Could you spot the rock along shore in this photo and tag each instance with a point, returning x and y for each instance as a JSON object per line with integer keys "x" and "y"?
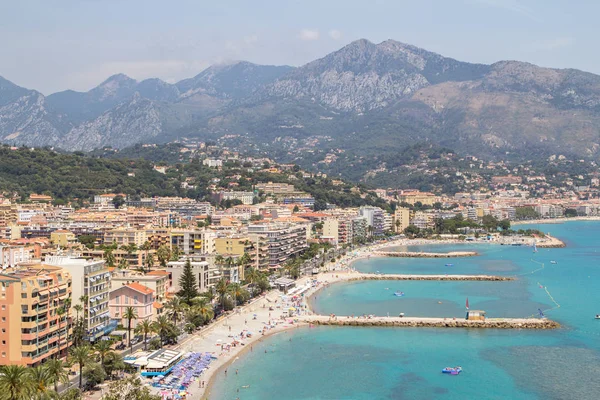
{"x": 419, "y": 254}
{"x": 396, "y": 277}
{"x": 412, "y": 322}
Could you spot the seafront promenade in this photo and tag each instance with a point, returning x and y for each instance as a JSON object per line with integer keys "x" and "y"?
{"x": 417, "y": 322}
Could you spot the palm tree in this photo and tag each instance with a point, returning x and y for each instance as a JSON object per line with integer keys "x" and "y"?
{"x": 78, "y": 308}
{"x": 222, "y": 289}
{"x": 175, "y": 309}
{"x": 60, "y": 312}
{"x": 146, "y": 247}
{"x": 80, "y": 355}
{"x": 15, "y": 382}
{"x": 150, "y": 261}
{"x": 219, "y": 259}
{"x": 123, "y": 263}
{"x": 41, "y": 378}
{"x": 109, "y": 257}
{"x": 163, "y": 327}
{"x": 129, "y": 314}
{"x": 252, "y": 275}
{"x": 204, "y": 309}
{"x": 144, "y": 328}
{"x": 57, "y": 372}
{"x": 103, "y": 349}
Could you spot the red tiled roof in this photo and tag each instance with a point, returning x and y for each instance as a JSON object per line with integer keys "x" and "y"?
{"x": 140, "y": 288}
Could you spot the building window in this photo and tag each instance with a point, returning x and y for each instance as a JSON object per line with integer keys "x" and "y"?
{"x": 3, "y": 319}
{"x": 3, "y": 307}
{"x": 135, "y": 299}
{"x": 3, "y": 354}
{"x": 4, "y": 342}
{"x": 117, "y": 299}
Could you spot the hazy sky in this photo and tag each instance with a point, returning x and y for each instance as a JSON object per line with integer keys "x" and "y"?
{"x": 53, "y": 45}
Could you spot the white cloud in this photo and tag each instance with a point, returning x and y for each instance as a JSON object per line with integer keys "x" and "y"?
{"x": 335, "y": 34}
{"x": 308, "y": 34}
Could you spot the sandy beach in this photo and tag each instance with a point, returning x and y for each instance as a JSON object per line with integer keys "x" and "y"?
{"x": 554, "y": 220}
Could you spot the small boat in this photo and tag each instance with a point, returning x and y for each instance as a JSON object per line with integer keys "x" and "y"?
{"x": 452, "y": 371}
{"x": 553, "y": 262}
{"x": 597, "y": 316}
{"x": 399, "y": 294}
{"x": 449, "y": 265}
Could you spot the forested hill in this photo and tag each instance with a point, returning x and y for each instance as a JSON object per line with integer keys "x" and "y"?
{"x": 78, "y": 177}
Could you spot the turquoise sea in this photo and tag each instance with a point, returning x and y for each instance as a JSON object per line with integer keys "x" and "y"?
{"x": 403, "y": 363}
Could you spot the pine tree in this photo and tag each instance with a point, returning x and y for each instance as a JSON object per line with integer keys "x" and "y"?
{"x": 187, "y": 283}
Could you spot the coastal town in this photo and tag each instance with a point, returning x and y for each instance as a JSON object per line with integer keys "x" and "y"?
{"x": 134, "y": 277}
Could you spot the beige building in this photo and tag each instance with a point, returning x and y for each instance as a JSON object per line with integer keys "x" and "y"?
{"x": 125, "y": 237}
{"x": 401, "y": 219}
{"x": 63, "y": 238}
{"x": 32, "y": 329}
{"x": 424, "y": 198}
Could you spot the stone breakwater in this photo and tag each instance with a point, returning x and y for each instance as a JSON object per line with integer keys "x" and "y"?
{"x": 396, "y": 277}
{"x": 550, "y": 243}
{"x": 420, "y": 254}
{"x": 411, "y": 322}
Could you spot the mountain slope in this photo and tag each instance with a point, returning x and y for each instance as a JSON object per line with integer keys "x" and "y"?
{"x": 363, "y": 76}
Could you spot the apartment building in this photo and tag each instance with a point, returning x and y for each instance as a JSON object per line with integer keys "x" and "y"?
{"x": 11, "y": 256}
{"x": 31, "y": 327}
{"x": 193, "y": 241}
{"x": 244, "y": 197}
{"x": 401, "y": 219}
{"x": 91, "y": 287}
{"x": 207, "y": 273}
{"x": 284, "y": 241}
{"x": 375, "y": 219}
{"x": 125, "y": 237}
{"x": 412, "y": 197}
{"x": 62, "y": 238}
{"x": 338, "y": 230}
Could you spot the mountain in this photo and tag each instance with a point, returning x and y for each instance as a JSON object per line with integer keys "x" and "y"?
{"x": 364, "y": 103}
{"x": 234, "y": 81}
{"x": 364, "y": 76}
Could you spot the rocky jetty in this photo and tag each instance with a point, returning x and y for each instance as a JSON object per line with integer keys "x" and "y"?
{"x": 504, "y": 323}
{"x": 396, "y": 277}
{"x": 420, "y": 254}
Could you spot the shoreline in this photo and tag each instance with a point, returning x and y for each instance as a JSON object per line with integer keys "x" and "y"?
{"x": 336, "y": 271}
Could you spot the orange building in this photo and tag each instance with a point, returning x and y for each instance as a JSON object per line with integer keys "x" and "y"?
{"x": 31, "y": 329}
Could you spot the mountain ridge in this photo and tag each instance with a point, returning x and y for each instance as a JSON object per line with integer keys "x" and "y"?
{"x": 383, "y": 96}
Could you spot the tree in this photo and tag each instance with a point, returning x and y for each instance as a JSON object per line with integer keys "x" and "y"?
{"x": 144, "y": 328}
{"x": 570, "y": 212}
{"x": 56, "y": 371}
{"x": 109, "y": 257}
{"x": 16, "y": 383}
{"x": 504, "y": 225}
{"x": 164, "y": 328}
{"x": 102, "y": 348}
{"x": 88, "y": 241}
{"x": 129, "y": 315}
{"x": 490, "y": 222}
{"x": 222, "y": 289}
{"x": 94, "y": 374}
{"x": 80, "y": 355}
{"x": 187, "y": 283}
{"x": 411, "y": 230}
{"x": 130, "y": 388}
{"x": 118, "y": 201}
{"x": 113, "y": 362}
{"x": 175, "y": 309}
{"x": 164, "y": 255}
{"x": 296, "y": 209}
{"x": 123, "y": 264}
{"x": 60, "y": 313}
{"x": 41, "y": 378}
{"x": 149, "y": 262}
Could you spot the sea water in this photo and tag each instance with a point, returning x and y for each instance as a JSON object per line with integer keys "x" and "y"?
{"x": 406, "y": 363}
